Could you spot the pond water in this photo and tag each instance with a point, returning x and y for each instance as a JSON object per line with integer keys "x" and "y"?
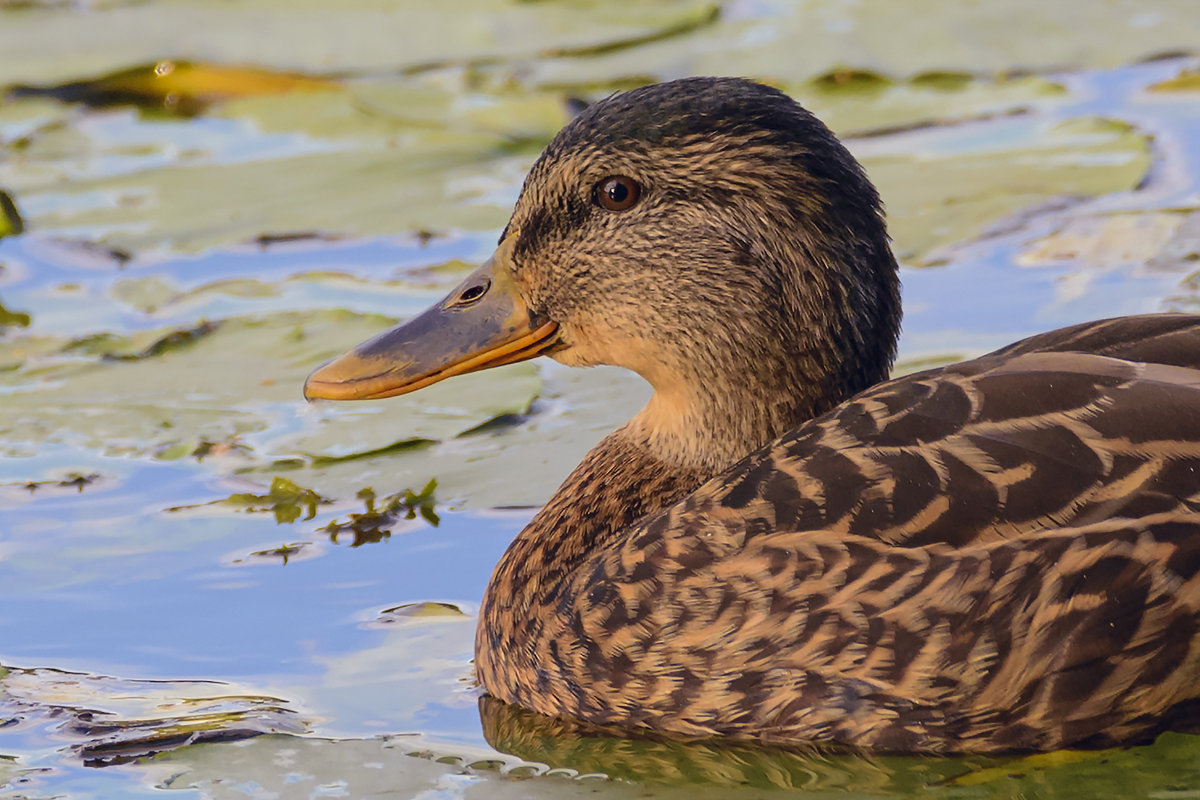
{"x": 202, "y": 590}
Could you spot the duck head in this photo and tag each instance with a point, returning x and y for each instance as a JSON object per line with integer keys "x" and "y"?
{"x": 709, "y": 234}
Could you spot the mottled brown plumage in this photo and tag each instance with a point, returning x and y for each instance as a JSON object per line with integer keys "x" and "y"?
{"x": 999, "y": 555}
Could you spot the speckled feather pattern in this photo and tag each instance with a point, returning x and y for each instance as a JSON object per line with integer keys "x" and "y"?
{"x": 995, "y": 556}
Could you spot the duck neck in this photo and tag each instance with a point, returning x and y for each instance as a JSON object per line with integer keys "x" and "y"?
{"x": 708, "y": 423}
{"x": 621, "y": 481}
{"x": 665, "y": 452}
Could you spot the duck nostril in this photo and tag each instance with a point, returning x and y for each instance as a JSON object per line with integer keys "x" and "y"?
{"x": 473, "y": 293}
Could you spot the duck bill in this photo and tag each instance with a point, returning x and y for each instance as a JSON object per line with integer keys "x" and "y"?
{"x": 483, "y": 323}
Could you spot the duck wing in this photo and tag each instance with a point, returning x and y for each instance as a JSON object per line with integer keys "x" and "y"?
{"x": 1038, "y": 435}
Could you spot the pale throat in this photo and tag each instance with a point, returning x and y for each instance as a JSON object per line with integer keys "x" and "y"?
{"x": 709, "y": 426}
{"x": 705, "y": 413}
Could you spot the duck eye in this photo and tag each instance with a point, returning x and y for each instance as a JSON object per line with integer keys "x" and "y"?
{"x": 617, "y": 193}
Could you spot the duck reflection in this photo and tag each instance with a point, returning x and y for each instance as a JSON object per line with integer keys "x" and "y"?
{"x": 627, "y": 756}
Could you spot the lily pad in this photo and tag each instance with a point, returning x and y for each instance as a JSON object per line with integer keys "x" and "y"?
{"x": 111, "y": 720}
{"x": 145, "y": 294}
{"x": 1105, "y": 242}
{"x": 941, "y": 99}
{"x": 515, "y": 465}
{"x": 143, "y": 394}
{"x": 446, "y": 145}
{"x": 943, "y": 186}
{"x": 788, "y": 42}
{"x": 435, "y": 179}
{"x": 313, "y": 36}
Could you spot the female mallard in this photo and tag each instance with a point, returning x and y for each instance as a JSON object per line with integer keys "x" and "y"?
{"x": 999, "y": 555}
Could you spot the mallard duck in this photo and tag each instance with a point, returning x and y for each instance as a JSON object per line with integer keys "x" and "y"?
{"x": 999, "y": 555}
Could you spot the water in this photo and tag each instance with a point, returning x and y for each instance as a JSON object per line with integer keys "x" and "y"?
{"x": 158, "y": 635}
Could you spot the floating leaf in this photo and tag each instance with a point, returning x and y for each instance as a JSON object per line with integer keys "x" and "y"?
{"x": 700, "y": 18}
{"x": 424, "y": 610}
{"x": 174, "y": 340}
{"x": 944, "y": 81}
{"x": 285, "y": 500}
{"x": 10, "y": 219}
{"x": 11, "y": 319}
{"x": 940, "y": 191}
{"x": 178, "y": 87}
{"x": 851, "y": 80}
{"x": 73, "y": 480}
{"x": 217, "y": 384}
{"x": 1104, "y": 242}
{"x": 407, "y": 159}
{"x": 285, "y": 552}
{"x": 1186, "y": 81}
{"x": 112, "y": 720}
{"x": 376, "y": 522}
{"x": 145, "y": 294}
{"x": 176, "y": 451}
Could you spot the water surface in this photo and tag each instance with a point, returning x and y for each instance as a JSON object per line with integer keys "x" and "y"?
{"x": 169, "y": 623}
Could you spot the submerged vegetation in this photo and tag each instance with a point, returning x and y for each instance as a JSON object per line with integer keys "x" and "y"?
{"x": 284, "y": 499}
{"x": 376, "y": 522}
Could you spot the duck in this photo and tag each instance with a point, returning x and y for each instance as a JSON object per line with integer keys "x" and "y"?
{"x": 785, "y": 544}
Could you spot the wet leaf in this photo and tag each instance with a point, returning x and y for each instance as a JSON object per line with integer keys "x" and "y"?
{"x": 389, "y": 155}
{"x": 177, "y": 87}
{"x": 386, "y": 35}
{"x": 507, "y": 466}
{"x": 940, "y": 189}
{"x": 13, "y": 319}
{"x": 112, "y": 720}
{"x": 944, "y": 81}
{"x": 238, "y": 380}
{"x": 372, "y": 187}
{"x": 175, "y": 340}
{"x": 697, "y": 19}
{"x": 427, "y": 610}
{"x": 408, "y": 159}
{"x": 11, "y": 223}
{"x": 791, "y": 43}
{"x": 854, "y": 81}
{"x": 932, "y": 100}
{"x": 1105, "y": 242}
{"x": 1186, "y": 81}
{"x": 145, "y": 294}
{"x": 175, "y": 452}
